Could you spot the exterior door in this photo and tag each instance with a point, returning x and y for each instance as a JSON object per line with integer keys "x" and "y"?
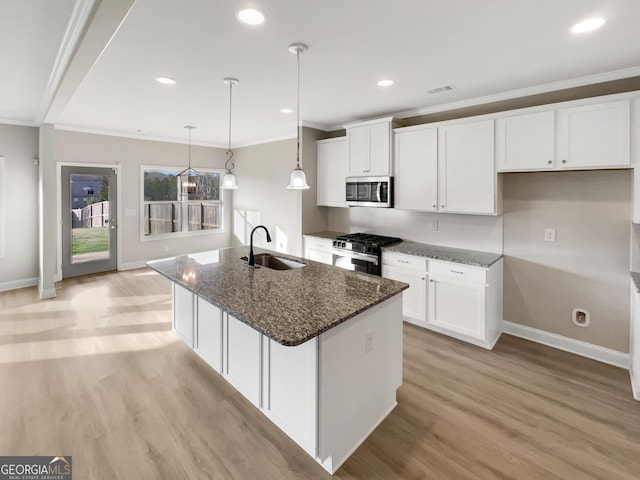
{"x": 89, "y": 207}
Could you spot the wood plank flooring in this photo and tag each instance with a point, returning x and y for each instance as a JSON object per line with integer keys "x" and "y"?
{"x": 97, "y": 374}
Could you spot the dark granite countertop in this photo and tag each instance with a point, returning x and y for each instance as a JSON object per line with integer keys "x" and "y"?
{"x": 448, "y": 254}
{"x": 636, "y": 279}
{"x": 289, "y": 306}
{"x": 328, "y": 234}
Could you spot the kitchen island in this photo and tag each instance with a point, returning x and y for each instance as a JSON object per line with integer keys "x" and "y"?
{"x": 316, "y": 348}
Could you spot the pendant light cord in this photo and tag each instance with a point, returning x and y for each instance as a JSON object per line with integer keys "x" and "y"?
{"x": 298, "y": 110}
{"x": 190, "y": 128}
{"x": 229, "y": 151}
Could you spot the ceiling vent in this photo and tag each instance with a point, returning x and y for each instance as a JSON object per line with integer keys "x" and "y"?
{"x": 443, "y": 88}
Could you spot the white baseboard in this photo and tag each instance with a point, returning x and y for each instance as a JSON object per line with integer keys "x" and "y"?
{"x": 132, "y": 265}
{"x": 584, "y": 349}
{"x": 15, "y": 284}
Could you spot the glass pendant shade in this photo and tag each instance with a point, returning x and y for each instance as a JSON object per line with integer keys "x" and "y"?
{"x": 229, "y": 181}
{"x": 189, "y": 186}
{"x": 298, "y": 179}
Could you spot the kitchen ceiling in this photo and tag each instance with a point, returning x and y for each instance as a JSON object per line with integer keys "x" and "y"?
{"x": 482, "y": 48}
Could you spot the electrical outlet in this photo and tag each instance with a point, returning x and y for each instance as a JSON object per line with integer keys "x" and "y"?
{"x": 434, "y": 225}
{"x": 580, "y": 317}
{"x": 368, "y": 342}
{"x": 549, "y": 234}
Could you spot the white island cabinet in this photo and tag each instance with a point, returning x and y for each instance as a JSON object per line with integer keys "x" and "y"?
{"x": 326, "y": 372}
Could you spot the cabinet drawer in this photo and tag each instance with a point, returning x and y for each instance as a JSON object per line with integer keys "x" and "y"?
{"x": 405, "y": 261}
{"x": 458, "y": 271}
{"x": 318, "y": 244}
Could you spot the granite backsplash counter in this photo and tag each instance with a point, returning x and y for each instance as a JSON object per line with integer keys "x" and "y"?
{"x": 448, "y": 254}
{"x": 289, "y": 306}
{"x": 327, "y": 235}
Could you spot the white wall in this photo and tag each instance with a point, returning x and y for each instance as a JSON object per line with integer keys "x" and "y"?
{"x": 19, "y": 187}
{"x": 587, "y": 266}
{"x": 474, "y": 232}
{"x": 75, "y": 147}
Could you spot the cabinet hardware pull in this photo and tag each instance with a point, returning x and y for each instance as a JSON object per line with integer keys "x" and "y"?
{"x": 431, "y": 279}
{"x": 403, "y": 261}
{"x": 441, "y": 206}
{"x": 423, "y": 278}
{"x": 564, "y": 161}
{"x": 434, "y": 206}
{"x": 550, "y": 162}
{"x": 456, "y": 271}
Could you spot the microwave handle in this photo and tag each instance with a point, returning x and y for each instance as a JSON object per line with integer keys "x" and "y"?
{"x": 378, "y": 191}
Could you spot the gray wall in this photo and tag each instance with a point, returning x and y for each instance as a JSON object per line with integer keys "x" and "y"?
{"x": 19, "y": 261}
{"x": 588, "y": 265}
{"x": 262, "y": 172}
{"x": 75, "y": 147}
{"x": 475, "y": 232}
{"x": 314, "y": 218}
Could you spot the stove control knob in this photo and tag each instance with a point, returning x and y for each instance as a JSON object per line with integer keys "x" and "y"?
{"x": 343, "y": 245}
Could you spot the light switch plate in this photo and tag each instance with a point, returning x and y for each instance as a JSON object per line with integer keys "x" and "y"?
{"x": 549, "y": 234}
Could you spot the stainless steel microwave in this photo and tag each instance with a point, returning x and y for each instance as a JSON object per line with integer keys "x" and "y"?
{"x": 369, "y": 192}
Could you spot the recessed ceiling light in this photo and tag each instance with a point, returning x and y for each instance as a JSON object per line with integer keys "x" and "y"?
{"x": 165, "y": 80}
{"x": 385, "y": 83}
{"x": 588, "y": 25}
{"x": 250, "y": 16}
{"x": 286, "y": 110}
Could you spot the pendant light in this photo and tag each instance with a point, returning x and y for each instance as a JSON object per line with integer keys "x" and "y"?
{"x": 298, "y": 179}
{"x": 229, "y": 179}
{"x": 187, "y": 176}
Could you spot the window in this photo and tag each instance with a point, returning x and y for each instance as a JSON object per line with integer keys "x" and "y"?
{"x": 167, "y": 212}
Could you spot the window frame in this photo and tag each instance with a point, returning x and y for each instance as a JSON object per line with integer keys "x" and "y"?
{"x": 184, "y": 207}
{"x": 3, "y": 217}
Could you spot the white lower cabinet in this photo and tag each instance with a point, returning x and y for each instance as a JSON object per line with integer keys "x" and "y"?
{"x": 208, "y": 338}
{"x": 411, "y": 270}
{"x": 327, "y": 394}
{"x": 454, "y": 299}
{"x": 318, "y": 249}
{"x": 290, "y": 394}
{"x": 634, "y": 342}
{"x": 466, "y": 302}
{"x": 243, "y": 357}
{"x": 183, "y": 308}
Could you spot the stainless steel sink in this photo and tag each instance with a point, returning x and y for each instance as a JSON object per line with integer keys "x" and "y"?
{"x": 275, "y": 263}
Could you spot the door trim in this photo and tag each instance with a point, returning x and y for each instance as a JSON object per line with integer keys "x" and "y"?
{"x": 118, "y": 169}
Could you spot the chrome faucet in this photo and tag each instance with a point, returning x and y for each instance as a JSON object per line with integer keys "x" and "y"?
{"x": 252, "y": 260}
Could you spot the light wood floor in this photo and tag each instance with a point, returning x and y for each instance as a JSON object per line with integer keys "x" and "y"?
{"x": 97, "y": 374}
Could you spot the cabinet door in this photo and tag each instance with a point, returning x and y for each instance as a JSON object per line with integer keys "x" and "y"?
{"x": 634, "y": 343}
{"x": 457, "y": 306}
{"x": 290, "y": 376}
{"x": 243, "y": 359}
{"x": 358, "y": 151}
{"x": 379, "y": 149}
{"x": 414, "y": 299}
{"x": 594, "y": 136}
{"x": 416, "y": 170}
{"x": 320, "y": 256}
{"x": 208, "y": 341}
{"x": 183, "y": 314}
{"x": 333, "y": 168}
{"x": 526, "y": 142}
{"x": 466, "y": 168}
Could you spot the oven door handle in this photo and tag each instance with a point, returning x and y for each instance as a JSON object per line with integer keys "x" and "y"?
{"x": 359, "y": 256}
{"x": 378, "y": 192}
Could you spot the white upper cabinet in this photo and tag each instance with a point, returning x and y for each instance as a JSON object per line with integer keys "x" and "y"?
{"x": 333, "y": 168}
{"x": 466, "y": 168}
{"x": 369, "y": 148}
{"x": 593, "y": 136}
{"x": 416, "y": 169}
{"x": 526, "y": 142}
{"x": 585, "y": 136}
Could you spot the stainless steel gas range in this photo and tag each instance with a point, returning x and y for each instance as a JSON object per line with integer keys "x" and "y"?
{"x": 361, "y": 252}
